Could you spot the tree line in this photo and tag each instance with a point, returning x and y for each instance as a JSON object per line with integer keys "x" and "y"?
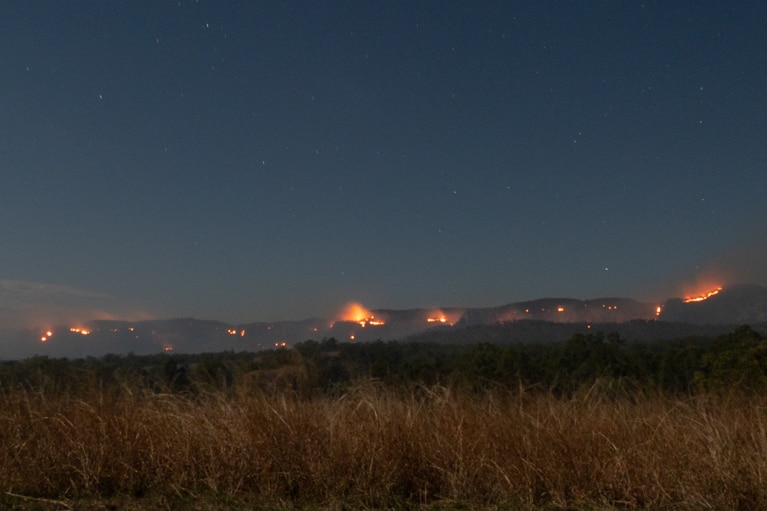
{"x": 733, "y": 362}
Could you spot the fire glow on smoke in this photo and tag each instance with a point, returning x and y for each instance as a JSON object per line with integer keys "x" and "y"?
{"x": 356, "y": 313}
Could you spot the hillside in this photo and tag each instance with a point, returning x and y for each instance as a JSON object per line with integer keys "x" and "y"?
{"x": 541, "y": 320}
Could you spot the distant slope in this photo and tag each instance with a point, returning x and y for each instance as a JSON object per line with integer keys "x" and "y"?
{"x": 563, "y": 310}
{"x": 535, "y": 332}
{"x": 742, "y": 304}
{"x": 546, "y": 319}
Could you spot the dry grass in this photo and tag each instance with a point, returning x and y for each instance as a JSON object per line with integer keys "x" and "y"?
{"x": 374, "y": 448}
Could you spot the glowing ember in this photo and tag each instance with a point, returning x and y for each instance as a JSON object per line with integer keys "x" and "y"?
{"x": 167, "y": 347}
{"x": 438, "y": 316}
{"x": 560, "y": 309}
{"x": 701, "y": 297}
{"x": 658, "y": 310}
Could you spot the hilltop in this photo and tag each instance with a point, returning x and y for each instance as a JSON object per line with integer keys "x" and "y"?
{"x": 546, "y": 319}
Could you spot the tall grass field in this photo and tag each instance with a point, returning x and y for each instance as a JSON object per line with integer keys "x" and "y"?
{"x": 373, "y": 447}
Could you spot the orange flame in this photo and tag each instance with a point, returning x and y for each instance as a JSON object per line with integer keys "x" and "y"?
{"x": 355, "y": 312}
{"x": 702, "y": 296}
{"x": 438, "y": 316}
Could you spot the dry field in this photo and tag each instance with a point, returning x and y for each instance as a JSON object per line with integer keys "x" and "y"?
{"x": 373, "y": 448}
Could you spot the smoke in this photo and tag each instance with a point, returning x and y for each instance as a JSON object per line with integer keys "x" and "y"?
{"x": 354, "y": 311}
{"x": 744, "y": 264}
{"x": 747, "y": 264}
{"x": 25, "y": 304}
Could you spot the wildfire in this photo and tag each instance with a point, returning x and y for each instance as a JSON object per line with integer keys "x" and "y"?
{"x": 703, "y": 296}
{"x": 79, "y": 330}
{"x": 440, "y": 317}
{"x": 358, "y": 314}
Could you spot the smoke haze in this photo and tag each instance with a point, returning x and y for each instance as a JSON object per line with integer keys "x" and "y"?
{"x": 25, "y": 304}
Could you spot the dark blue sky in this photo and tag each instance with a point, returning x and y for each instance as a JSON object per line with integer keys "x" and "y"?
{"x": 241, "y": 161}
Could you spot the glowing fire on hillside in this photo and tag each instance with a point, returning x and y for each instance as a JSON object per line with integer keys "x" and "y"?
{"x": 438, "y": 316}
{"x": 356, "y": 313}
{"x": 47, "y": 334}
{"x": 703, "y": 296}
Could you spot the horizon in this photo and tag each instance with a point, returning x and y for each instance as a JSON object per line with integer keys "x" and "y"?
{"x": 239, "y": 160}
{"x": 740, "y": 304}
{"x": 351, "y": 311}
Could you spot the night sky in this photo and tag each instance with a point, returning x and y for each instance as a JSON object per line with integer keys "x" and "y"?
{"x": 243, "y": 161}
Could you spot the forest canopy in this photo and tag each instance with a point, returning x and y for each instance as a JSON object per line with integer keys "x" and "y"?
{"x": 736, "y": 361}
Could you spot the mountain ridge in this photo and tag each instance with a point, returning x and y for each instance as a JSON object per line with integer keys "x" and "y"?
{"x": 525, "y": 321}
